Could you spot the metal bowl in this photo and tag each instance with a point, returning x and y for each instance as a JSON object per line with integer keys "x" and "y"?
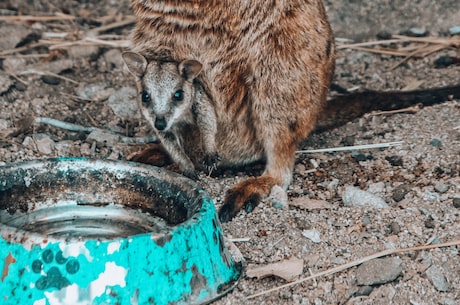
{"x": 78, "y": 231}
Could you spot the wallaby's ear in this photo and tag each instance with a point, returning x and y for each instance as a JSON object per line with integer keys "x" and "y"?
{"x": 136, "y": 63}
{"x": 189, "y": 69}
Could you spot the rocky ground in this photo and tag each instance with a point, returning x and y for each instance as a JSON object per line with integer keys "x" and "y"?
{"x": 71, "y": 69}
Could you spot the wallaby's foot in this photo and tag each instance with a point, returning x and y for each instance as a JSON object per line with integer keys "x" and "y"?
{"x": 246, "y": 194}
{"x": 210, "y": 162}
{"x": 155, "y": 154}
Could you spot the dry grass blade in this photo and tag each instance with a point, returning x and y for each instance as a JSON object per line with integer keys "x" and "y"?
{"x": 358, "y": 262}
{"x": 424, "y": 46}
{"x": 57, "y": 17}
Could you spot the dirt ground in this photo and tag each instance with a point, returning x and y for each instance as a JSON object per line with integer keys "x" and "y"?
{"x": 71, "y": 70}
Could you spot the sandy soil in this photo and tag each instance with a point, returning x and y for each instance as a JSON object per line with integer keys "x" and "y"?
{"x": 419, "y": 179}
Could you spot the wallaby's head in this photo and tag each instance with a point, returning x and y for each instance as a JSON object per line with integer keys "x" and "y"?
{"x": 165, "y": 89}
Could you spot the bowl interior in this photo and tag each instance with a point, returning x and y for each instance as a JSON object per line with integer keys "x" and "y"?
{"x": 94, "y": 199}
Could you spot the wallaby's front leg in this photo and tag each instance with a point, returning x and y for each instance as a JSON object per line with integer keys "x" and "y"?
{"x": 176, "y": 152}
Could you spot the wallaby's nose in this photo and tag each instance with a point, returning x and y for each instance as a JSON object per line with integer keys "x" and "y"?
{"x": 160, "y": 123}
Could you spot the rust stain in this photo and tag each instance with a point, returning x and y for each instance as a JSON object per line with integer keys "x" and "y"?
{"x": 8, "y": 261}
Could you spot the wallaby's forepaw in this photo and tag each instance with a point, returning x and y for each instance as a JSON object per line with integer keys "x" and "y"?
{"x": 192, "y": 174}
{"x": 246, "y": 194}
{"x": 211, "y": 161}
{"x": 155, "y": 154}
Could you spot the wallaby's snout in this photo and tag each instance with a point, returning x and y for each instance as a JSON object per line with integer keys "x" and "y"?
{"x": 160, "y": 123}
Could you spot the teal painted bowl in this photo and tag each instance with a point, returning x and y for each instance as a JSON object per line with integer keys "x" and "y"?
{"x": 77, "y": 231}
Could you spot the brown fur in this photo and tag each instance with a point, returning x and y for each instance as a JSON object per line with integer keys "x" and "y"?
{"x": 267, "y": 65}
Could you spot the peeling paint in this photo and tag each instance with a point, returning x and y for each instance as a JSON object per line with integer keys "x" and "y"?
{"x": 9, "y": 259}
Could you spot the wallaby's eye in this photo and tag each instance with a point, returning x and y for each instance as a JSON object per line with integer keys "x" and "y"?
{"x": 145, "y": 97}
{"x": 178, "y": 95}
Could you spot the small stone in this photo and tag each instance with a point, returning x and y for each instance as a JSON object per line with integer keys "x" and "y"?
{"x": 45, "y": 145}
{"x": 434, "y": 273}
{"x": 20, "y": 86}
{"x": 395, "y": 228}
{"x": 400, "y": 192}
{"x": 348, "y": 140}
{"x": 383, "y": 35}
{"x": 278, "y": 198}
{"x": 50, "y": 80}
{"x": 312, "y": 235}
{"x": 435, "y": 143}
{"x": 456, "y": 202}
{"x": 440, "y": 187}
{"x": 379, "y": 271}
{"x": 353, "y": 196}
{"x": 395, "y": 160}
{"x": 455, "y": 30}
{"x": 443, "y": 61}
{"x": 430, "y": 224}
{"x": 417, "y": 32}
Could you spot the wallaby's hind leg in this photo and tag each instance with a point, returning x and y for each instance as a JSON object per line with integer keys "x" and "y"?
{"x": 248, "y": 193}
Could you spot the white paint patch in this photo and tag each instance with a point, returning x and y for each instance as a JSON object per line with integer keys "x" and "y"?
{"x": 113, "y": 247}
{"x": 113, "y": 275}
{"x": 40, "y": 302}
{"x": 75, "y": 295}
{"x": 75, "y": 250}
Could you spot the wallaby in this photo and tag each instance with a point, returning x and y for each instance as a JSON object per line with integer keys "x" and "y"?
{"x": 267, "y": 66}
{"x": 170, "y": 98}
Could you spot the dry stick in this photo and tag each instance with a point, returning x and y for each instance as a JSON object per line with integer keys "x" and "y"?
{"x": 368, "y": 43}
{"x": 433, "y": 40}
{"x": 347, "y": 148}
{"x": 129, "y": 20}
{"x": 32, "y": 71}
{"x": 412, "y": 54}
{"x": 36, "y": 18}
{"x": 87, "y": 41}
{"x": 356, "y": 263}
{"x": 79, "y": 128}
{"x": 411, "y": 109}
{"x": 20, "y": 49}
{"x": 380, "y": 51}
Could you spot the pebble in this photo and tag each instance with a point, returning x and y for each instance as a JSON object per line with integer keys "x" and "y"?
{"x": 395, "y": 228}
{"x": 441, "y": 187}
{"x": 50, "y": 80}
{"x": 123, "y": 103}
{"x": 400, "y": 192}
{"x": 395, "y": 160}
{"x": 379, "y": 271}
{"x": 435, "y": 143}
{"x": 45, "y": 145}
{"x": 312, "y": 235}
{"x": 417, "y": 32}
{"x": 353, "y": 196}
{"x": 456, "y": 202}
{"x": 455, "y": 30}
{"x": 435, "y": 275}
